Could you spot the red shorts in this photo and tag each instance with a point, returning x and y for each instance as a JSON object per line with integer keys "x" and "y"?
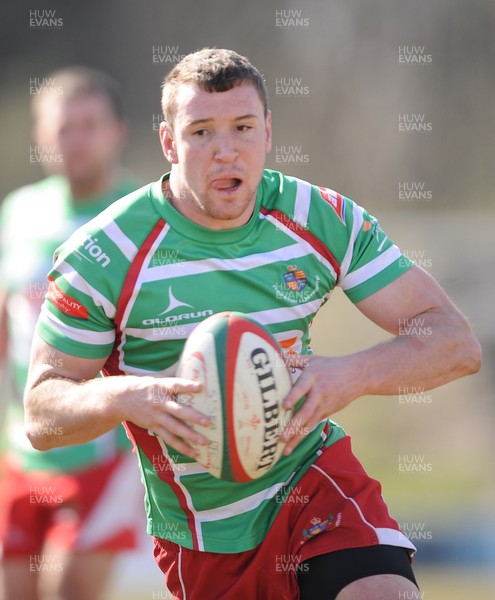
{"x": 86, "y": 511}
{"x": 335, "y": 505}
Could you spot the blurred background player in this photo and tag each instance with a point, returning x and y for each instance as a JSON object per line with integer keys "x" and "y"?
{"x": 62, "y": 519}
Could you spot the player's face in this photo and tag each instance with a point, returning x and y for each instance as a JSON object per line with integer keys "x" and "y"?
{"x": 217, "y": 148}
{"x": 85, "y": 132}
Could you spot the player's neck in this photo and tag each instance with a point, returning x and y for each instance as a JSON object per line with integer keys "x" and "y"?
{"x": 81, "y": 190}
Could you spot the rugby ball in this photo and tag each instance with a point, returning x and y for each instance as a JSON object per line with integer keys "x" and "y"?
{"x": 244, "y": 379}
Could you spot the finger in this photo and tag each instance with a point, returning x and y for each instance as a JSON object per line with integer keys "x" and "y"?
{"x": 297, "y": 427}
{"x": 177, "y": 396}
{"x": 178, "y": 444}
{"x": 181, "y": 410}
{"x": 298, "y": 362}
{"x": 299, "y": 434}
{"x": 177, "y": 385}
{"x": 302, "y": 386}
{"x": 169, "y": 389}
{"x": 179, "y": 428}
{"x": 304, "y": 419}
{"x": 301, "y": 424}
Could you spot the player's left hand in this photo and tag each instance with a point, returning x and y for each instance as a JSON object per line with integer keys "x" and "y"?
{"x": 328, "y": 384}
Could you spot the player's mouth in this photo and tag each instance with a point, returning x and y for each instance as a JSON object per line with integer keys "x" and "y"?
{"x": 226, "y": 184}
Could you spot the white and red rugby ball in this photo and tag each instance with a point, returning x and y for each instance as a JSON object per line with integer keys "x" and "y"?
{"x": 244, "y": 379}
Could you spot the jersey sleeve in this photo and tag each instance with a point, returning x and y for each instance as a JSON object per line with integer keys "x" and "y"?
{"x": 364, "y": 257}
{"x": 371, "y": 260}
{"x": 78, "y": 313}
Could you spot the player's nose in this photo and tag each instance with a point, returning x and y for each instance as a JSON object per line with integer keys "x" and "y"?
{"x": 226, "y": 148}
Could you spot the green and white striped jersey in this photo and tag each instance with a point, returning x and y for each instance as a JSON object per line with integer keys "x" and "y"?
{"x": 133, "y": 283}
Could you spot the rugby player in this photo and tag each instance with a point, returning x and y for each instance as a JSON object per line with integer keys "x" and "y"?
{"x": 221, "y": 232}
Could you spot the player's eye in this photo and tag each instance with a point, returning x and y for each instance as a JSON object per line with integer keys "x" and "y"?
{"x": 243, "y": 127}
{"x": 200, "y": 132}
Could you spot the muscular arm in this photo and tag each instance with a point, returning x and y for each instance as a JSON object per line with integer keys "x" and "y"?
{"x": 433, "y": 345}
{"x": 433, "y": 342}
{"x": 62, "y": 391}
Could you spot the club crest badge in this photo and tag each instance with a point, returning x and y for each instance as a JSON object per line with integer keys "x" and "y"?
{"x": 295, "y": 279}
{"x": 319, "y": 525}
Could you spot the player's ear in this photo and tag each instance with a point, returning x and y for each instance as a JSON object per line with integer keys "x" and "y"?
{"x": 268, "y": 126}
{"x": 167, "y": 141}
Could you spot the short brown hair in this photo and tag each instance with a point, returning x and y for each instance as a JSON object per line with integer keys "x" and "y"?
{"x": 213, "y": 70}
{"x": 82, "y": 81}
